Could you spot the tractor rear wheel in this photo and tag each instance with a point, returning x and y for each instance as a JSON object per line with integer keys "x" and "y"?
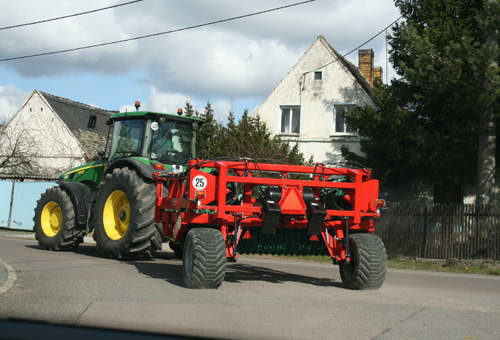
{"x": 123, "y": 216}
{"x": 204, "y": 258}
{"x": 55, "y": 225}
{"x": 368, "y": 264}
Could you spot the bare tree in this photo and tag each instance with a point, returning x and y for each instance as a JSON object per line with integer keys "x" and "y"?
{"x": 17, "y": 152}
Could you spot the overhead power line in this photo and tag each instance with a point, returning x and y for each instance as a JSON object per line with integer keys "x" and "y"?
{"x": 69, "y": 15}
{"x": 159, "y": 33}
{"x": 373, "y": 37}
{"x": 357, "y": 47}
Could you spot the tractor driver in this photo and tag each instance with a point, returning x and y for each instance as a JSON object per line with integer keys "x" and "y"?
{"x": 168, "y": 143}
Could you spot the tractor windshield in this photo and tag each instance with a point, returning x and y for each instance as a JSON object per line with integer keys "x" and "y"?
{"x": 171, "y": 143}
{"x": 127, "y": 140}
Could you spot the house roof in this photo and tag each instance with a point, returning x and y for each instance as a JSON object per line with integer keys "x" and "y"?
{"x": 348, "y": 65}
{"x": 351, "y": 68}
{"x": 76, "y": 116}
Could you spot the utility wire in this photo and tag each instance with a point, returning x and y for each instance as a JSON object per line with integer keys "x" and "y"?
{"x": 69, "y": 16}
{"x": 160, "y": 33}
{"x": 373, "y": 37}
{"x": 355, "y": 48}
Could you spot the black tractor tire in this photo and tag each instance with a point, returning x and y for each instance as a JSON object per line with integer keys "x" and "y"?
{"x": 54, "y": 221}
{"x": 368, "y": 264}
{"x": 123, "y": 216}
{"x": 177, "y": 249}
{"x": 204, "y": 258}
{"x": 157, "y": 239}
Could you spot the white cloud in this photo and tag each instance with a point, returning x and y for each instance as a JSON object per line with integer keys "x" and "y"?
{"x": 220, "y": 63}
{"x": 165, "y": 101}
{"x": 169, "y": 102}
{"x": 221, "y": 110}
{"x": 64, "y": 34}
{"x": 11, "y": 98}
{"x": 241, "y": 58}
{"x": 127, "y": 108}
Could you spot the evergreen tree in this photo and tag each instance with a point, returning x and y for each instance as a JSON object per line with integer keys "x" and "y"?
{"x": 249, "y": 137}
{"x": 209, "y": 135}
{"x": 188, "y": 109}
{"x": 426, "y": 124}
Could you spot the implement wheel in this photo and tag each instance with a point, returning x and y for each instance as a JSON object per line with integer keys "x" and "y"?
{"x": 368, "y": 264}
{"x": 123, "y": 216}
{"x": 55, "y": 225}
{"x": 204, "y": 258}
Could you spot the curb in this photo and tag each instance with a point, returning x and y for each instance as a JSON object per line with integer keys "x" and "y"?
{"x": 11, "y": 277}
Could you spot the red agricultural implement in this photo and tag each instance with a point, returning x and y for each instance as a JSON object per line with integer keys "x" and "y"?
{"x": 217, "y": 209}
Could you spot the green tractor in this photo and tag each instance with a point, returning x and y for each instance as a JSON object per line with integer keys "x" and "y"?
{"x": 114, "y": 197}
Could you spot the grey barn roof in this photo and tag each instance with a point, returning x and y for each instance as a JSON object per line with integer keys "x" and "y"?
{"x": 76, "y": 116}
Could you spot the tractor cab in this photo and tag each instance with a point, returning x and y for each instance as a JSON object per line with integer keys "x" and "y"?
{"x": 160, "y": 137}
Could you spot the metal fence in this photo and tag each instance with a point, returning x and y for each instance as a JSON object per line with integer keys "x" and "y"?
{"x": 441, "y": 231}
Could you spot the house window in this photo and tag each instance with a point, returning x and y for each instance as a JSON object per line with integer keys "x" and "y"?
{"x": 339, "y": 121}
{"x": 290, "y": 119}
{"x": 318, "y": 75}
{"x": 92, "y": 121}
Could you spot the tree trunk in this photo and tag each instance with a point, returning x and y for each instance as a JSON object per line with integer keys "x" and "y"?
{"x": 486, "y": 188}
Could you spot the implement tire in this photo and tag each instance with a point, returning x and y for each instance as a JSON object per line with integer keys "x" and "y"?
{"x": 123, "y": 216}
{"x": 55, "y": 225}
{"x": 368, "y": 264}
{"x": 204, "y": 258}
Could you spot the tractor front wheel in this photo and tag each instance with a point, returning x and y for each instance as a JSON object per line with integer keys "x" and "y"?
{"x": 123, "y": 216}
{"x": 55, "y": 225}
{"x": 204, "y": 258}
{"x": 368, "y": 264}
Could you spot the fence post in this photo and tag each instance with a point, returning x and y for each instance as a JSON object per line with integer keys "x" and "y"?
{"x": 424, "y": 234}
{"x": 11, "y": 204}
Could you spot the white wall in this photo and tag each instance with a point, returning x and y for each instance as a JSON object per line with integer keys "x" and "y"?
{"x": 55, "y": 149}
{"x": 316, "y": 99}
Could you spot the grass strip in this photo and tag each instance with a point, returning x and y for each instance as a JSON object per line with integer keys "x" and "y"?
{"x": 451, "y": 266}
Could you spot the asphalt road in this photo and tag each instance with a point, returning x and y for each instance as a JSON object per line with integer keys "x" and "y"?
{"x": 259, "y": 298}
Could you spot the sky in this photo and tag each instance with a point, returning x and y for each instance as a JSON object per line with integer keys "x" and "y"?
{"x": 233, "y": 65}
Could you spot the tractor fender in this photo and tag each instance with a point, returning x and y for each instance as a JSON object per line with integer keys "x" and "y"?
{"x": 80, "y": 195}
{"x": 145, "y": 170}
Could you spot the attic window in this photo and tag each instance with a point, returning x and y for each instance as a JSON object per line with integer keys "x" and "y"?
{"x": 318, "y": 75}
{"x": 92, "y": 121}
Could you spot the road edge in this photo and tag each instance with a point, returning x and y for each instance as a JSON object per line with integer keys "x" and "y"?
{"x": 11, "y": 277}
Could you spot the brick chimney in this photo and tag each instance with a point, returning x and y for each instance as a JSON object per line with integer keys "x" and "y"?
{"x": 377, "y": 74}
{"x": 365, "y": 65}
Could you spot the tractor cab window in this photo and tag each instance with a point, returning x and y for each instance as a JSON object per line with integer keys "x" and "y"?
{"x": 127, "y": 138}
{"x": 171, "y": 143}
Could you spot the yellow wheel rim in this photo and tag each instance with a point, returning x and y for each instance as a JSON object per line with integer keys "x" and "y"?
{"x": 51, "y": 219}
{"x": 116, "y": 215}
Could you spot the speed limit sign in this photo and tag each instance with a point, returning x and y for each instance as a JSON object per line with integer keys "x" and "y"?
{"x": 199, "y": 182}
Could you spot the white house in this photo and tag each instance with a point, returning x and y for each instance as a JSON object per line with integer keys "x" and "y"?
{"x": 55, "y": 133}
{"x": 307, "y": 106}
